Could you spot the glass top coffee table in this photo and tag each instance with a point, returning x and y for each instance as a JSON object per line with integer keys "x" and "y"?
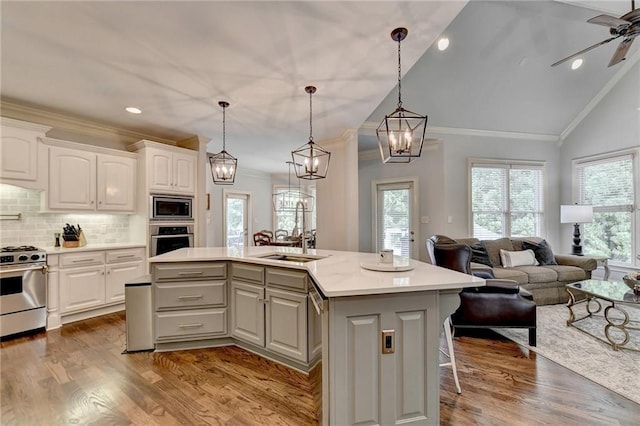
{"x": 617, "y": 297}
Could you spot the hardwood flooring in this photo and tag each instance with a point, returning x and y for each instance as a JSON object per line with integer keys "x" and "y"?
{"x": 79, "y": 375}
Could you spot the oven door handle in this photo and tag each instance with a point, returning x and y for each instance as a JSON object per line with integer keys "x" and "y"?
{"x": 32, "y": 268}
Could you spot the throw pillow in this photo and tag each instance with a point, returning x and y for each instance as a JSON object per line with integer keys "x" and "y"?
{"x": 517, "y": 258}
{"x": 494, "y": 246}
{"x": 542, "y": 251}
{"x": 479, "y": 254}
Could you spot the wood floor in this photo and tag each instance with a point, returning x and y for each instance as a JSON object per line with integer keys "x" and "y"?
{"x": 78, "y": 375}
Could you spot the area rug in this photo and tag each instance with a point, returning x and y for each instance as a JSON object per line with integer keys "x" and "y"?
{"x": 618, "y": 371}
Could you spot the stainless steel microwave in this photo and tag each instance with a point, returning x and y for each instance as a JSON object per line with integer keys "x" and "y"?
{"x": 169, "y": 207}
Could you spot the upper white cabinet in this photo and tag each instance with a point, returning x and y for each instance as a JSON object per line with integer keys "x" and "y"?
{"x": 169, "y": 169}
{"x": 116, "y": 177}
{"x": 171, "y": 172}
{"x": 19, "y": 151}
{"x": 82, "y": 180}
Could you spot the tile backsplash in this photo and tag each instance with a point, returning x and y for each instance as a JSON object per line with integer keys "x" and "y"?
{"x": 35, "y": 228}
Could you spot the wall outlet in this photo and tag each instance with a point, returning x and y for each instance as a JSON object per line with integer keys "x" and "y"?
{"x": 388, "y": 341}
{"x": 424, "y": 219}
{"x": 449, "y": 219}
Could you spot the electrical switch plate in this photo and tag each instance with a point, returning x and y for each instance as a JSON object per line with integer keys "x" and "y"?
{"x": 388, "y": 341}
{"x": 424, "y": 219}
{"x": 450, "y": 219}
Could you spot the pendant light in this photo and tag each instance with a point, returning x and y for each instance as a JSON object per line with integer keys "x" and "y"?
{"x": 311, "y": 161}
{"x": 401, "y": 133}
{"x": 286, "y": 201}
{"x": 223, "y": 164}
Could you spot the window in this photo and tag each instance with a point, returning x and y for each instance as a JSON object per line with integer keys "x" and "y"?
{"x": 507, "y": 198}
{"x": 609, "y": 184}
{"x": 287, "y": 219}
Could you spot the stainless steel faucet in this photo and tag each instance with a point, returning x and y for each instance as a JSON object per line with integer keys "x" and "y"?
{"x": 303, "y": 234}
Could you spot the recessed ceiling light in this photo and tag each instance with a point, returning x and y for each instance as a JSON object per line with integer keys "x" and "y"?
{"x": 133, "y": 110}
{"x": 443, "y": 43}
{"x": 576, "y": 64}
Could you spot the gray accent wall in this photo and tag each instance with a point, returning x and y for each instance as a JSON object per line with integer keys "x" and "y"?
{"x": 443, "y": 183}
{"x": 613, "y": 125}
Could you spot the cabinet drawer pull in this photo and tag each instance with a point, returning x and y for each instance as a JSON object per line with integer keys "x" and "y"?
{"x": 190, "y": 273}
{"x": 194, "y": 325}
{"x": 82, "y": 260}
{"x": 195, "y": 296}
{"x": 125, "y": 256}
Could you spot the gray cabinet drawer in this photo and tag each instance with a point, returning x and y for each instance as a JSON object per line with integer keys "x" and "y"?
{"x": 245, "y": 272}
{"x": 191, "y": 294}
{"x": 191, "y": 324}
{"x": 287, "y": 278}
{"x": 189, "y": 270}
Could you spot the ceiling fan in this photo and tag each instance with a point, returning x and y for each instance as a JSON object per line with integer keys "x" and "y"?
{"x": 627, "y": 26}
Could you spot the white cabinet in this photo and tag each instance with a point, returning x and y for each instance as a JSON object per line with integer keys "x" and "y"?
{"x": 72, "y": 179}
{"x": 82, "y": 288}
{"x": 88, "y": 181}
{"x": 94, "y": 279}
{"x": 171, "y": 171}
{"x": 116, "y": 183}
{"x": 19, "y": 150}
{"x": 190, "y": 301}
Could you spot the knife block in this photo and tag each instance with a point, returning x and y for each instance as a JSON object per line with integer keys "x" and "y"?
{"x": 70, "y": 244}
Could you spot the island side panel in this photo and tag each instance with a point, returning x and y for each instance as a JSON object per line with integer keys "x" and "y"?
{"x": 369, "y": 387}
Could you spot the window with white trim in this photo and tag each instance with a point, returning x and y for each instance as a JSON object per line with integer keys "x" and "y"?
{"x": 610, "y": 184}
{"x": 507, "y": 198}
{"x": 286, "y": 219}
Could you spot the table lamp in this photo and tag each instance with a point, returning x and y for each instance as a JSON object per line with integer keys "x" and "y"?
{"x": 576, "y": 214}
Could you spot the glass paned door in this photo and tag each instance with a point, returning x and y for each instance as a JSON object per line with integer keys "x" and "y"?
{"x": 236, "y": 219}
{"x": 395, "y": 217}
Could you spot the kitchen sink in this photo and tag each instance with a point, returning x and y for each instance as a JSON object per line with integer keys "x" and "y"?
{"x": 300, "y": 258}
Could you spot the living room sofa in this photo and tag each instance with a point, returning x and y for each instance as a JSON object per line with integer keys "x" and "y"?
{"x": 546, "y": 281}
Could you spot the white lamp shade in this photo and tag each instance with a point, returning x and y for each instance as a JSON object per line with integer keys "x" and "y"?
{"x": 575, "y": 213}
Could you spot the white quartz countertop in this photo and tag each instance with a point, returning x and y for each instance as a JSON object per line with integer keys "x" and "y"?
{"x": 91, "y": 247}
{"x": 339, "y": 273}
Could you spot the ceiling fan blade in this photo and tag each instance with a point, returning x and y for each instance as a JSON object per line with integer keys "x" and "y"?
{"x": 621, "y": 51}
{"x": 584, "y": 51}
{"x": 608, "y": 21}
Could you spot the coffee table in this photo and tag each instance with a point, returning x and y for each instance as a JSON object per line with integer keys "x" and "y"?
{"x": 618, "y": 296}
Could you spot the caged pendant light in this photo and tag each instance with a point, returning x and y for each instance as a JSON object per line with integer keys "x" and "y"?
{"x": 223, "y": 164}
{"x": 311, "y": 161}
{"x": 401, "y": 133}
{"x": 286, "y": 201}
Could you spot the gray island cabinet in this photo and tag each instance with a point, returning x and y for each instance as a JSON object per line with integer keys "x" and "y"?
{"x": 376, "y": 334}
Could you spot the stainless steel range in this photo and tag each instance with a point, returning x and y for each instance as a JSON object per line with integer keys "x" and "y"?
{"x": 23, "y": 289}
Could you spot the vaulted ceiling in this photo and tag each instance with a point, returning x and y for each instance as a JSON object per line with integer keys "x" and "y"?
{"x": 176, "y": 60}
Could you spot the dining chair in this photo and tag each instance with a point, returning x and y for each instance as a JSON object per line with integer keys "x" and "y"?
{"x": 261, "y": 239}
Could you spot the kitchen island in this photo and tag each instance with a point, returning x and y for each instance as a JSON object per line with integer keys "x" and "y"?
{"x": 380, "y": 331}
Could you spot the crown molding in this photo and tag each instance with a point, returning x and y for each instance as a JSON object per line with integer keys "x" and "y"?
{"x": 624, "y": 69}
{"x": 72, "y": 124}
{"x": 369, "y": 128}
{"x": 374, "y": 154}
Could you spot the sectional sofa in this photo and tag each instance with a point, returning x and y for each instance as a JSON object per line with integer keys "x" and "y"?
{"x": 540, "y": 271}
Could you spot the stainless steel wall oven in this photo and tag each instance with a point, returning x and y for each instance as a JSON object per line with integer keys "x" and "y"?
{"x": 166, "y": 238}
{"x": 23, "y": 290}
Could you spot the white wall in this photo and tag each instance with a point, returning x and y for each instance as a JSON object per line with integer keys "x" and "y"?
{"x": 613, "y": 125}
{"x": 443, "y": 182}
{"x": 337, "y": 204}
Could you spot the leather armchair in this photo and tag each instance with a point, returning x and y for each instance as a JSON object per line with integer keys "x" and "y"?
{"x": 501, "y": 303}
